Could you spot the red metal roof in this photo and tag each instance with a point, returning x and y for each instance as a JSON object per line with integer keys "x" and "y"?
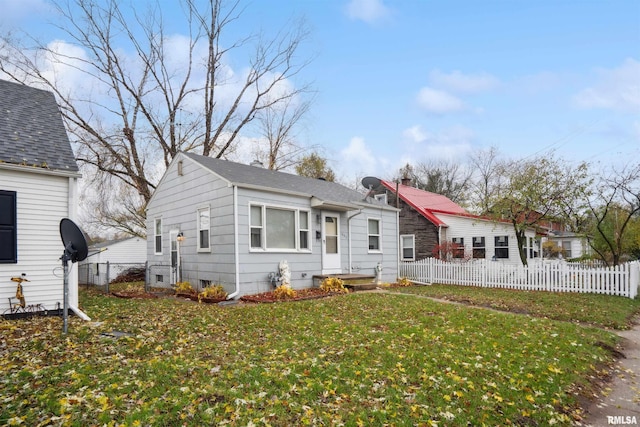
{"x": 425, "y": 202}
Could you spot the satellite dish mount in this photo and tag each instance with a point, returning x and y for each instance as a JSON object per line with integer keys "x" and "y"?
{"x": 75, "y": 249}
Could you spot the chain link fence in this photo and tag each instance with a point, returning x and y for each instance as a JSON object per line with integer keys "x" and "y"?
{"x": 103, "y": 274}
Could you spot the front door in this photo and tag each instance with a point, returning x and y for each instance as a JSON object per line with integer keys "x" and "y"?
{"x": 331, "y": 244}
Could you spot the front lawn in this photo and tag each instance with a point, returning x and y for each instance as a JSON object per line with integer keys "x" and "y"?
{"x": 357, "y": 359}
{"x": 599, "y": 310}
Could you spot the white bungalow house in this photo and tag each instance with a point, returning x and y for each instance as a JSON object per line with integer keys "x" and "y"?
{"x": 428, "y": 220}
{"x": 108, "y": 259}
{"x": 38, "y": 187}
{"x": 211, "y": 221}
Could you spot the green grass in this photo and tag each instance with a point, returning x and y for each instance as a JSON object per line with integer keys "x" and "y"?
{"x": 599, "y": 310}
{"x": 357, "y": 359}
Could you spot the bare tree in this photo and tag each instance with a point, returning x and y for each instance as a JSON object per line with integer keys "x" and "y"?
{"x": 439, "y": 176}
{"x": 613, "y": 211}
{"x": 487, "y": 169}
{"x": 278, "y": 126}
{"x": 149, "y": 95}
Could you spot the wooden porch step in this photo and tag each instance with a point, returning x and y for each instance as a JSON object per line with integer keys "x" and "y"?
{"x": 353, "y": 282}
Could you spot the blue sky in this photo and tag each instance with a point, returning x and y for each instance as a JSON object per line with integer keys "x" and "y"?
{"x": 414, "y": 81}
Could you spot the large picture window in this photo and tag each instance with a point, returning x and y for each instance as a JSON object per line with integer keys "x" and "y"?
{"x": 502, "y": 247}
{"x": 204, "y": 227}
{"x": 275, "y": 228}
{"x": 8, "y": 228}
{"x": 374, "y": 234}
{"x": 408, "y": 247}
{"x": 157, "y": 236}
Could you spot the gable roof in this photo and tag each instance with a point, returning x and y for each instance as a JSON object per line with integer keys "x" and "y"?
{"x": 324, "y": 194}
{"x": 31, "y": 129}
{"x": 425, "y": 202}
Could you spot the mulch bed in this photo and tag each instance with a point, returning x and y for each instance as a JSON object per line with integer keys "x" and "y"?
{"x": 301, "y": 294}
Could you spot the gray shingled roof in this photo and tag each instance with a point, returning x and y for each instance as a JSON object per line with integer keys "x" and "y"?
{"x": 31, "y": 129}
{"x": 258, "y": 177}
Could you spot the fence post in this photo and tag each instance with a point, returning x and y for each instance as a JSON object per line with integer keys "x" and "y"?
{"x": 107, "y": 277}
{"x": 634, "y": 279}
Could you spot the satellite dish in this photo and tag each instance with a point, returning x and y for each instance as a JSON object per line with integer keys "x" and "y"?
{"x": 370, "y": 182}
{"x": 75, "y": 244}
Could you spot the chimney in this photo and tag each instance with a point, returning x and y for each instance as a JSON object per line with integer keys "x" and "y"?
{"x": 257, "y": 163}
{"x": 406, "y": 181}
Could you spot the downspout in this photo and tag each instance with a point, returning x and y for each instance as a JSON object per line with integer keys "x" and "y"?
{"x": 73, "y": 271}
{"x": 349, "y": 218}
{"x": 236, "y": 245}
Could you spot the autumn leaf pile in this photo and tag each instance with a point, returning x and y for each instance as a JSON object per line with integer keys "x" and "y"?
{"x": 354, "y": 359}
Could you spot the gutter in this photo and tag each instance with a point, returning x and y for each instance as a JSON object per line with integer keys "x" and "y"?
{"x": 235, "y": 244}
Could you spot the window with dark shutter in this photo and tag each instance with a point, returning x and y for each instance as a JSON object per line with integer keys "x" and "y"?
{"x": 8, "y": 228}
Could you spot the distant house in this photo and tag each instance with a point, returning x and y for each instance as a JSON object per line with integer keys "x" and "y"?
{"x": 573, "y": 245}
{"x": 428, "y": 221}
{"x": 212, "y": 221}
{"x": 108, "y": 259}
{"x": 38, "y": 187}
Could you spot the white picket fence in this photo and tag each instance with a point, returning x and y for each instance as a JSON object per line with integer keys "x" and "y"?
{"x": 539, "y": 276}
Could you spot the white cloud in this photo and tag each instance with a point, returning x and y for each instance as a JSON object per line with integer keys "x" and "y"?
{"x": 369, "y": 11}
{"x": 463, "y": 83}
{"x": 357, "y": 158}
{"x": 438, "y": 101}
{"x": 450, "y": 143}
{"x": 616, "y": 89}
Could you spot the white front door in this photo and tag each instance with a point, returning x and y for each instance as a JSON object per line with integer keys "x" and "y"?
{"x": 331, "y": 244}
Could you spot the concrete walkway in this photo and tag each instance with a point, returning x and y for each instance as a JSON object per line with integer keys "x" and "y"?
{"x": 619, "y": 403}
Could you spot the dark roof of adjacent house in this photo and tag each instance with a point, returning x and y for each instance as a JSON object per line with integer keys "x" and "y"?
{"x": 31, "y": 129}
{"x": 425, "y": 202}
{"x": 323, "y": 193}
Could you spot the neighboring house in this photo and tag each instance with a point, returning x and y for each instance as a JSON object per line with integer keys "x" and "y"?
{"x": 428, "y": 220}
{"x": 238, "y": 222}
{"x": 573, "y": 245}
{"x": 38, "y": 187}
{"x": 108, "y": 259}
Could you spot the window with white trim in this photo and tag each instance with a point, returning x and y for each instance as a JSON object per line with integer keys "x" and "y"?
{"x": 8, "y": 227}
{"x": 157, "y": 236}
{"x": 373, "y": 227}
{"x": 502, "y": 247}
{"x": 279, "y": 228}
{"x": 458, "y": 247}
{"x": 204, "y": 227}
{"x": 408, "y": 247}
{"x": 478, "y": 248}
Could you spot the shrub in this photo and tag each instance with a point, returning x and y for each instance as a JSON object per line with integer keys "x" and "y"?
{"x": 184, "y": 288}
{"x": 403, "y": 281}
{"x": 213, "y": 292}
{"x": 333, "y": 284}
{"x": 284, "y": 292}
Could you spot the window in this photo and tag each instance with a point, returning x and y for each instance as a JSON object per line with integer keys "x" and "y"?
{"x": 303, "y": 222}
{"x": 374, "y": 234}
{"x": 159, "y": 278}
{"x": 381, "y": 197}
{"x": 478, "y": 247}
{"x": 204, "y": 283}
{"x": 408, "y": 247}
{"x": 458, "y": 247}
{"x": 204, "y": 222}
{"x": 157, "y": 233}
{"x": 566, "y": 249}
{"x": 256, "y": 226}
{"x": 502, "y": 247}
{"x": 8, "y": 228}
{"x": 278, "y": 228}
